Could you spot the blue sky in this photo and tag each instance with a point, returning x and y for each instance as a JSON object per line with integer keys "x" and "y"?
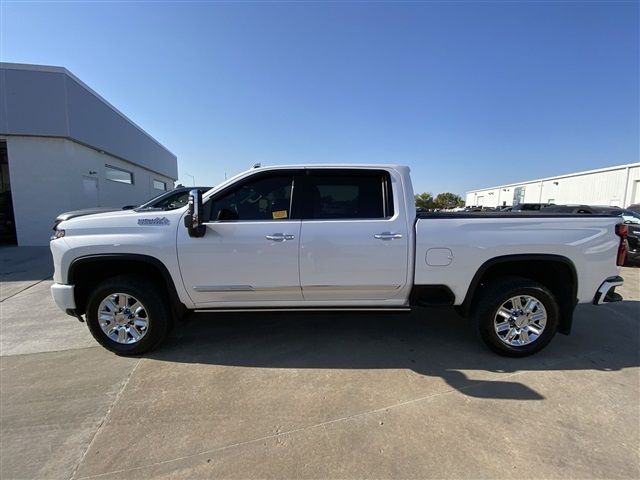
{"x": 468, "y": 94}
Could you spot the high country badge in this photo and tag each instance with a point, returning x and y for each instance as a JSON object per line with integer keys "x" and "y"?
{"x": 153, "y": 221}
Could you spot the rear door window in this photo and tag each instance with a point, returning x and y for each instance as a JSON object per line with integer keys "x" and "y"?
{"x": 348, "y": 194}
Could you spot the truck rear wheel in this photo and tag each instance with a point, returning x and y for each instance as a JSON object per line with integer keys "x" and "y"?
{"x": 516, "y": 316}
{"x": 127, "y": 315}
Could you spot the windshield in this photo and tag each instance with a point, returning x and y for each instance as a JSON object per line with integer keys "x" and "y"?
{"x": 171, "y": 202}
{"x": 167, "y": 201}
{"x": 150, "y": 203}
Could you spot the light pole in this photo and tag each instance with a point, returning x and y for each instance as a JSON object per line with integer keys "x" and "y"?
{"x": 193, "y": 179}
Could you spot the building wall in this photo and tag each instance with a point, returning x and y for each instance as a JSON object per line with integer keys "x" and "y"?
{"x": 47, "y": 177}
{"x": 619, "y": 186}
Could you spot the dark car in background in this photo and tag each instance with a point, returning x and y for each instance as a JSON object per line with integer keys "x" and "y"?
{"x": 634, "y": 208}
{"x": 630, "y": 218}
{"x": 581, "y": 209}
{"x": 530, "y": 207}
{"x": 176, "y": 198}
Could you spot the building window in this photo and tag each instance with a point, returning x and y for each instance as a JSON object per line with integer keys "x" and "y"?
{"x": 118, "y": 175}
{"x": 158, "y": 185}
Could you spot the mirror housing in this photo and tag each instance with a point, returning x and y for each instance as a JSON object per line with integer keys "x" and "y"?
{"x": 193, "y": 218}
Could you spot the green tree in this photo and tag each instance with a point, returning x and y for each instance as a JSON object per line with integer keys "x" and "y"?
{"x": 424, "y": 200}
{"x": 448, "y": 200}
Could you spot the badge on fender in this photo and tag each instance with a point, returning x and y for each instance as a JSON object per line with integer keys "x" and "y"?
{"x": 154, "y": 221}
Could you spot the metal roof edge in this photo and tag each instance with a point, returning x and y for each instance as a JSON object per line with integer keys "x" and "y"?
{"x": 64, "y": 71}
{"x": 557, "y": 177}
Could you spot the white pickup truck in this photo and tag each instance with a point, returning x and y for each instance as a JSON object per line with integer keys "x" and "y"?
{"x": 331, "y": 237}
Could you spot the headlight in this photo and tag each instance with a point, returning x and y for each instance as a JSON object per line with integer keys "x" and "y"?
{"x": 58, "y": 234}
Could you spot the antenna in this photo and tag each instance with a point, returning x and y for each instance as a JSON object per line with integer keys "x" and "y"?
{"x": 257, "y": 165}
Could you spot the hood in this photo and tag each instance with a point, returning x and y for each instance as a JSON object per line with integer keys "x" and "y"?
{"x": 121, "y": 221}
{"x": 85, "y": 211}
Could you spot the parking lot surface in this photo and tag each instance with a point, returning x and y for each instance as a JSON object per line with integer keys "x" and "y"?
{"x": 276, "y": 395}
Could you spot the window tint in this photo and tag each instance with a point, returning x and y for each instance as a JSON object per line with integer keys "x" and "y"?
{"x": 265, "y": 198}
{"x": 118, "y": 175}
{"x": 348, "y": 195}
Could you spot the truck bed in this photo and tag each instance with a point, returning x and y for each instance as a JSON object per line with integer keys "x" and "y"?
{"x": 452, "y": 247}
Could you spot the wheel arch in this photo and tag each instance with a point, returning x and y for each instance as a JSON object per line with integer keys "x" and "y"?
{"x": 88, "y": 271}
{"x": 556, "y": 272}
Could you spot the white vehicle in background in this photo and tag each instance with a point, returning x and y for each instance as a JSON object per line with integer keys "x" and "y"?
{"x": 341, "y": 237}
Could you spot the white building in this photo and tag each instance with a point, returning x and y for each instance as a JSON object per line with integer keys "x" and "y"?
{"x": 613, "y": 186}
{"x": 63, "y": 147}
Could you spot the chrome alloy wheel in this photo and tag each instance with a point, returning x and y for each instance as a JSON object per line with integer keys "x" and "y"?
{"x": 123, "y": 318}
{"x": 520, "y": 320}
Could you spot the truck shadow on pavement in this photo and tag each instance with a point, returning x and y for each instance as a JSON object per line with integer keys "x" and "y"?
{"x": 433, "y": 342}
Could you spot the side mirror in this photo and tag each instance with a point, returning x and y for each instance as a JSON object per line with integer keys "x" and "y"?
{"x": 193, "y": 218}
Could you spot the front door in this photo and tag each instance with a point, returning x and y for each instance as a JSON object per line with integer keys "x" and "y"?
{"x": 354, "y": 245}
{"x": 249, "y": 252}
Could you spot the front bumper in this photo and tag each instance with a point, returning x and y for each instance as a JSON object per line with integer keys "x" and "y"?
{"x": 606, "y": 293}
{"x": 63, "y": 296}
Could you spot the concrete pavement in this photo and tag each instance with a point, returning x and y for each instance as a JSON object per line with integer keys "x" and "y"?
{"x": 319, "y": 396}
{"x": 52, "y": 405}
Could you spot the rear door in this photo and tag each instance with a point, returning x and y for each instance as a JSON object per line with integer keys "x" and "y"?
{"x": 353, "y": 241}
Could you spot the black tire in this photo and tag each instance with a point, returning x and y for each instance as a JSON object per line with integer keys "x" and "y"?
{"x": 156, "y": 306}
{"x": 494, "y": 295}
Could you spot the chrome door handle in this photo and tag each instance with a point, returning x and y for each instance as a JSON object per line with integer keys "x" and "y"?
{"x": 280, "y": 237}
{"x": 387, "y": 236}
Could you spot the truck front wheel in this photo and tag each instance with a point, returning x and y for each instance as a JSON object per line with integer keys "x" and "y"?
{"x": 127, "y": 315}
{"x": 516, "y": 316}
